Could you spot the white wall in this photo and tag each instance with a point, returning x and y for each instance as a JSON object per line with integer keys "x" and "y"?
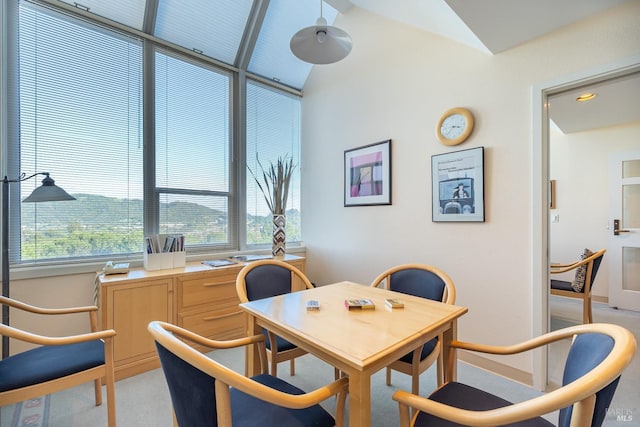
{"x": 395, "y": 84}
{"x": 579, "y": 162}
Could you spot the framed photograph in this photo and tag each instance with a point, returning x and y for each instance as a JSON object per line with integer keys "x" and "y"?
{"x": 458, "y": 186}
{"x": 367, "y": 175}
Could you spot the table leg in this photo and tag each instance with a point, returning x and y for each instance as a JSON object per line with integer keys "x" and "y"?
{"x": 359, "y": 399}
{"x": 449, "y": 356}
{"x": 252, "y": 359}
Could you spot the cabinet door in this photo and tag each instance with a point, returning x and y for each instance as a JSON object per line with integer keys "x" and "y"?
{"x": 132, "y": 307}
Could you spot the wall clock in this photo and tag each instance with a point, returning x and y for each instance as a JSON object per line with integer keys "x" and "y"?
{"x": 455, "y": 126}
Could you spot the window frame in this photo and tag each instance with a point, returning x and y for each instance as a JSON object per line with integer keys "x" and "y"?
{"x": 151, "y": 193}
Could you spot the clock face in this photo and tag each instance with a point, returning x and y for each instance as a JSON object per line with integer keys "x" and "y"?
{"x": 455, "y": 126}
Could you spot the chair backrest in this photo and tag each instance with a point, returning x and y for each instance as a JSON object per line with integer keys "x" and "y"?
{"x": 192, "y": 391}
{"x": 594, "y": 268}
{"x": 191, "y": 375}
{"x": 587, "y": 352}
{"x": 419, "y": 280}
{"x": 268, "y": 278}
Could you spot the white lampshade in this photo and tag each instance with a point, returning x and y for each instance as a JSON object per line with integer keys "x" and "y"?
{"x": 321, "y": 43}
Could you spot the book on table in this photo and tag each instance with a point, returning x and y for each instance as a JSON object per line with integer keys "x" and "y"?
{"x": 359, "y": 304}
{"x": 393, "y": 303}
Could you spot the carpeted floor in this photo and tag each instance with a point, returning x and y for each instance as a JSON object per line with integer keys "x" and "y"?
{"x": 31, "y": 413}
{"x": 143, "y": 400}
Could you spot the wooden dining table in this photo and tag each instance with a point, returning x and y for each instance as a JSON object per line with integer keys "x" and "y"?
{"x": 358, "y": 342}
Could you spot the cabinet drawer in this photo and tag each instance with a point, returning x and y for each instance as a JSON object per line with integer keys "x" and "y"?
{"x": 216, "y": 325}
{"x": 217, "y": 291}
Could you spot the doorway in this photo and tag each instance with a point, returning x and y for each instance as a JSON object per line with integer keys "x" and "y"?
{"x": 541, "y": 194}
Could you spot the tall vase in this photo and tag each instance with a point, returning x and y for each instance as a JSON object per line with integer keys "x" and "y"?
{"x": 278, "y": 248}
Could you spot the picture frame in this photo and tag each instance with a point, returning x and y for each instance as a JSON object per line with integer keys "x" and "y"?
{"x": 367, "y": 175}
{"x": 458, "y": 186}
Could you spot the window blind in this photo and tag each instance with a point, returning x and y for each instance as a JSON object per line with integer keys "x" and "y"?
{"x": 273, "y": 130}
{"x": 193, "y": 142}
{"x": 79, "y": 108}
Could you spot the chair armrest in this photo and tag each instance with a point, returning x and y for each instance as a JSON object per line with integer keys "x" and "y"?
{"x": 494, "y": 417}
{"x": 215, "y": 344}
{"x": 520, "y": 347}
{"x": 39, "y": 310}
{"x": 562, "y": 268}
{"x": 45, "y": 340}
{"x": 577, "y": 391}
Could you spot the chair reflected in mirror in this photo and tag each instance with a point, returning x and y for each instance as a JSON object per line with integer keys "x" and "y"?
{"x": 585, "y": 269}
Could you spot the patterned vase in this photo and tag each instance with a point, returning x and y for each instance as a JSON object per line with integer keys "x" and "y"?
{"x": 278, "y": 248}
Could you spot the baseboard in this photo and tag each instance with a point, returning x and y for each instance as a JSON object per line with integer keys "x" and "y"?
{"x": 600, "y": 299}
{"x": 506, "y": 371}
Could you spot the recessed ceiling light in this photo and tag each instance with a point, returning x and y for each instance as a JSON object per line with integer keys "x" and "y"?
{"x": 586, "y": 97}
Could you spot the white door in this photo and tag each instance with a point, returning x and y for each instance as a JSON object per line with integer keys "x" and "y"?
{"x": 624, "y": 226}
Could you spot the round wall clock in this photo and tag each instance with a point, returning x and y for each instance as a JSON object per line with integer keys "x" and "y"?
{"x": 455, "y": 126}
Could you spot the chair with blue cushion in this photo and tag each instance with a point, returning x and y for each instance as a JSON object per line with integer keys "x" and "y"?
{"x": 207, "y": 393}
{"x": 427, "y": 282}
{"x": 58, "y": 363}
{"x": 598, "y": 355}
{"x": 585, "y": 274}
{"x": 267, "y": 278}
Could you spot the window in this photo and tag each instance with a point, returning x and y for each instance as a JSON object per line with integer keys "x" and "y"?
{"x": 273, "y": 130}
{"x": 75, "y": 110}
{"x": 80, "y": 118}
{"x": 193, "y": 142}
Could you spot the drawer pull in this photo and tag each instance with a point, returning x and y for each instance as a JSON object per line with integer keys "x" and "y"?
{"x": 209, "y": 284}
{"x": 221, "y": 316}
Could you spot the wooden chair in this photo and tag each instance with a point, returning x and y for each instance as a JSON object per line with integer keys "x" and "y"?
{"x": 59, "y": 362}
{"x": 598, "y": 355}
{"x": 267, "y": 278}
{"x": 427, "y": 282}
{"x": 206, "y": 393}
{"x": 564, "y": 288}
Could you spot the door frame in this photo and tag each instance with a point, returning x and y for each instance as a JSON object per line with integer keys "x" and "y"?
{"x": 540, "y": 194}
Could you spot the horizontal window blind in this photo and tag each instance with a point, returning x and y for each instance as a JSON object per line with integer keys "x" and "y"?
{"x": 193, "y": 142}
{"x": 273, "y": 131}
{"x": 79, "y": 103}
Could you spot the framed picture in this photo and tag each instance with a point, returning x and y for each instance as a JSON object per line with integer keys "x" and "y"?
{"x": 367, "y": 175}
{"x": 458, "y": 186}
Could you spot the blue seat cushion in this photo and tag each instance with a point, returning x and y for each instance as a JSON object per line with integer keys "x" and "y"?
{"x": 47, "y": 363}
{"x": 283, "y": 345}
{"x": 467, "y": 397}
{"x": 562, "y": 285}
{"x": 427, "y": 349}
{"x": 248, "y": 411}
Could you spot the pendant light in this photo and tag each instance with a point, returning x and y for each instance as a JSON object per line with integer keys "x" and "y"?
{"x": 321, "y": 43}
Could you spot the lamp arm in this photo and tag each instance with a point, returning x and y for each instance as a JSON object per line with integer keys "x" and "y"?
{"x": 23, "y": 177}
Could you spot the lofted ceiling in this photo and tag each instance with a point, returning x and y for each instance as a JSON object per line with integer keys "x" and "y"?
{"x": 494, "y": 26}
{"x": 254, "y": 35}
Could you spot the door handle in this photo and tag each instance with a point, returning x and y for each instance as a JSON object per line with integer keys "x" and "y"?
{"x": 616, "y": 228}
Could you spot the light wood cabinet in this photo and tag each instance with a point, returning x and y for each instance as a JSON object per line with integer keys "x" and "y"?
{"x": 197, "y": 297}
